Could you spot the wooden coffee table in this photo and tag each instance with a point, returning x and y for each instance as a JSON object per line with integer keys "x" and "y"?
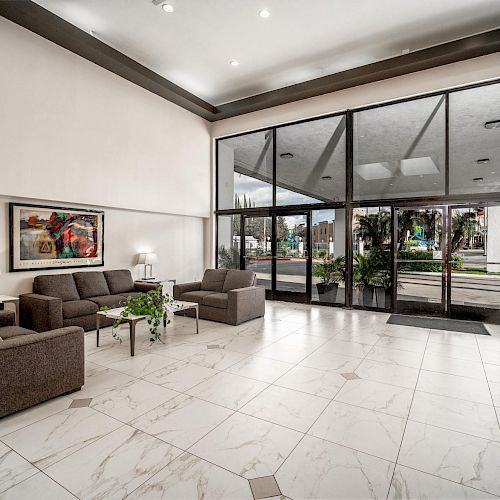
{"x": 132, "y": 319}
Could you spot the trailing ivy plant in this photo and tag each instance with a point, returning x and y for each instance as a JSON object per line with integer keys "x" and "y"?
{"x": 152, "y": 304}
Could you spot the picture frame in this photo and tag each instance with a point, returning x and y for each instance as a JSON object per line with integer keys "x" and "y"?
{"x": 44, "y": 237}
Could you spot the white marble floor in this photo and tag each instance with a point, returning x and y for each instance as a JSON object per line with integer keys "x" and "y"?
{"x": 334, "y": 404}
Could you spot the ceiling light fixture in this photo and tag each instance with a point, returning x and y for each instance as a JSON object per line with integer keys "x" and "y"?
{"x": 478, "y": 179}
{"x": 167, "y": 7}
{"x": 327, "y": 178}
{"x": 286, "y": 155}
{"x": 492, "y": 124}
{"x": 482, "y": 161}
{"x": 264, "y": 13}
{"x": 234, "y": 62}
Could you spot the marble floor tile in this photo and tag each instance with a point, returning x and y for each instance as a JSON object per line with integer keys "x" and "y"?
{"x": 281, "y": 351}
{"x": 140, "y": 366}
{"x": 401, "y": 344}
{"x": 492, "y": 372}
{"x": 245, "y": 345}
{"x": 247, "y": 446}
{"x": 306, "y": 341}
{"x": 326, "y": 360}
{"x": 182, "y": 420}
{"x": 50, "y": 440}
{"x": 286, "y": 407}
{"x": 190, "y": 477}
{"x": 462, "y": 458}
{"x": 13, "y": 468}
{"x": 38, "y": 486}
{"x": 99, "y": 381}
{"x": 347, "y": 348}
{"x": 455, "y": 414}
{"x": 359, "y": 337}
{"x": 106, "y": 355}
{"x": 228, "y": 390}
{"x": 454, "y": 386}
{"x": 388, "y": 373}
{"x": 23, "y": 418}
{"x": 321, "y": 383}
{"x": 128, "y": 401}
{"x": 452, "y": 338}
{"x": 113, "y": 466}
{"x": 368, "y": 431}
{"x": 318, "y": 469}
{"x": 217, "y": 359}
{"x": 490, "y": 356}
{"x": 409, "y": 484}
{"x": 495, "y": 392}
{"x": 179, "y": 351}
{"x": 407, "y": 332}
{"x": 467, "y": 353}
{"x": 259, "y": 368}
{"x": 395, "y": 356}
{"x": 453, "y": 366}
{"x": 180, "y": 376}
{"x": 377, "y": 396}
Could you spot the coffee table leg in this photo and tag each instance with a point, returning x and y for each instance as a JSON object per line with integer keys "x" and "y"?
{"x": 97, "y": 324}
{"x": 197, "y": 315}
{"x": 165, "y": 319}
{"x": 132, "y": 338}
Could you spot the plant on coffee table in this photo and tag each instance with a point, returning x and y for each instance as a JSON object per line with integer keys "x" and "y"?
{"x": 152, "y": 305}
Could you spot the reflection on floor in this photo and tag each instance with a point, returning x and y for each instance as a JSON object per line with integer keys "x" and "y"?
{"x": 309, "y": 402}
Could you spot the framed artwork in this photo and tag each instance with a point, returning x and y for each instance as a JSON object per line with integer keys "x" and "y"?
{"x": 55, "y": 238}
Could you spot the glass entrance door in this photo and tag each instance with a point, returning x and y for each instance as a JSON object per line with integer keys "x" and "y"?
{"x": 420, "y": 256}
{"x": 257, "y": 248}
{"x": 292, "y": 264}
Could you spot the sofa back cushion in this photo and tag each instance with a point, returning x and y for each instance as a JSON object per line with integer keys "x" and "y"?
{"x": 213, "y": 280}
{"x": 61, "y": 286}
{"x": 91, "y": 284}
{"x": 119, "y": 281}
{"x": 238, "y": 279}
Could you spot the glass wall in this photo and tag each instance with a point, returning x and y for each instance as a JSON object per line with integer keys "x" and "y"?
{"x": 245, "y": 171}
{"x": 474, "y": 147}
{"x": 310, "y": 162}
{"x": 228, "y": 241}
{"x": 258, "y": 255}
{"x": 399, "y": 150}
{"x": 328, "y": 256}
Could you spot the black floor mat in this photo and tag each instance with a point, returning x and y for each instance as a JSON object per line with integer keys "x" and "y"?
{"x": 452, "y": 325}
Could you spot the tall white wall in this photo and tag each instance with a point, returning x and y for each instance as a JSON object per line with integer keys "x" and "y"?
{"x": 73, "y": 134}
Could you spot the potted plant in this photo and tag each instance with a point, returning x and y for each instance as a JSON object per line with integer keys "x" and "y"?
{"x": 381, "y": 263}
{"x": 363, "y": 277}
{"x": 331, "y": 273}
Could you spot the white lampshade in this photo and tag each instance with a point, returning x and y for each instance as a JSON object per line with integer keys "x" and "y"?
{"x": 146, "y": 258}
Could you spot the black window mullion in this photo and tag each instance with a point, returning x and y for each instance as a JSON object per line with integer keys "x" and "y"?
{"x": 348, "y": 209}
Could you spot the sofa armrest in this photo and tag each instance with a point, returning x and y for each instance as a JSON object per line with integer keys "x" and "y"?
{"x": 7, "y": 318}
{"x": 40, "y": 312}
{"x": 186, "y": 287}
{"x": 40, "y": 366}
{"x": 145, "y": 287}
{"x": 244, "y": 304}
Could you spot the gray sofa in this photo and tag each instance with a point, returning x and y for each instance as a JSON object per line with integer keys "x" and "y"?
{"x": 38, "y": 366}
{"x": 60, "y": 300}
{"x": 229, "y": 296}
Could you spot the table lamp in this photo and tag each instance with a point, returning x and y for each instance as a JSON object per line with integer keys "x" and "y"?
{"x": 147, "y": 260}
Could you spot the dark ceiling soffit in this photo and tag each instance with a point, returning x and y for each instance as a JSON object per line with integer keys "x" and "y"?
{"x": 53, "y": 28}
{"x": 46, "y": 24}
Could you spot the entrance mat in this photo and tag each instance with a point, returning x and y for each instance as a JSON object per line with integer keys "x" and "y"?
{"x": 451, "y": 325}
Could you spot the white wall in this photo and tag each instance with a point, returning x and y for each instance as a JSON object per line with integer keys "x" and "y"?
{"x": 177, "y": 241}
{"x": 72, "y": 131}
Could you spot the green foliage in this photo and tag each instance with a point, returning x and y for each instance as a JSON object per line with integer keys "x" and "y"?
{"x": 375, "y": 228}
{"x": 330, "y": 271}
{"x": 228, "y": 258}
{"x": 432, "y": 266}
{"x": 373, "y": 269}
{"x": 364, "y": 273}
{"x": 463, "y": 228}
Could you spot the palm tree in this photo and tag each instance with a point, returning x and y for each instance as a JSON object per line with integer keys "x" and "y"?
{"x": 406, "y": 221}
{"x": 463, "y": 226}
{"x": 375, "y": 228}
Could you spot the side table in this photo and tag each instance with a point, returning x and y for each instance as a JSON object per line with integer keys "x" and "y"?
{"x": 5, "y": 299}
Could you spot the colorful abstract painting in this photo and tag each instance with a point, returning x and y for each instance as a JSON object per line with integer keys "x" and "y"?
{"x": 46, "y": 237}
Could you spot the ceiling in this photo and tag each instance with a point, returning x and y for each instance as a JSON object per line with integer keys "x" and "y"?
{"x": 300, "y": 41}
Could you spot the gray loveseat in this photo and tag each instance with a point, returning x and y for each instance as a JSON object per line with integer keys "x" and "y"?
{"x": 38, "y": 366}
{"x": 73, "y": 299}
{"x": 229, "y": 296}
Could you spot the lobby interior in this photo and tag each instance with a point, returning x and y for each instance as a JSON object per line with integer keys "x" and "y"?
{"x": 349, "y": 166}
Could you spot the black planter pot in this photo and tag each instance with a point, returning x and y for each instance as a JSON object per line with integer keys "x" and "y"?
{"x": 366, "y": 295}
{"x": 382, "y": 297}
{"x": 327, "y": 293}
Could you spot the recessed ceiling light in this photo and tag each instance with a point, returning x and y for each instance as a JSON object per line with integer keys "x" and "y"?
{"x": 286, "y": 155}
{"x": 234, "y": 62}
{"x": 327, "y": 177}
{"x": 492, "y": 124}
{"x": 482, "y": 161}
{"x": 167, "y": 7}
{"x": 478, "y": 179}
{"x": 264, "y": 13}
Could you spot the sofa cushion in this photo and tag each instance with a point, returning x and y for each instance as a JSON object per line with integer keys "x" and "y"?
{"x": 196, "y": 296}
{"x": 213, "y": 280}
{"x": 76, "y": 308}
{"x": 9, "y": 332}
{"x": 119, "y": 282}
{"x": 91, "y": 284}
{"x": 61, "y": 286}
{"x": 110, "y": 301}
{"x": 218, "y": 300}
{"x": 238, "y": 279}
